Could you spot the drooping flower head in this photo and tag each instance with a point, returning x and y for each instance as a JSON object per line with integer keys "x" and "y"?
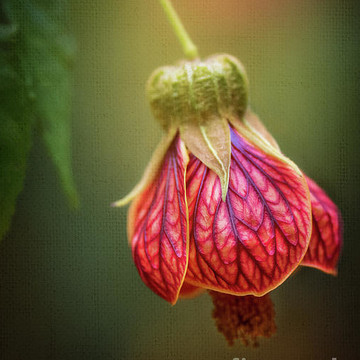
{"x": 219, "y": 206}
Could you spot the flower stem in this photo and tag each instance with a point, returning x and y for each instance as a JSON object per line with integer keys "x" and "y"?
{"x": 188, "y": 46}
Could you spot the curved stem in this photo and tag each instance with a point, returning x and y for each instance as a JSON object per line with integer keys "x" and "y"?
{"x": 188, "y": 46}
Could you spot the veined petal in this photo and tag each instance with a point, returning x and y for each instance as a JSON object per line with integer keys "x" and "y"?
{"x": 252, "y": 129}
{"x": 158, "y": 226}
{"x": 326, "y": 238}
{"x": 249, "y": 244}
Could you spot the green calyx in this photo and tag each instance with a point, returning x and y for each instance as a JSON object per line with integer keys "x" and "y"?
{"x": 197, "y": 91}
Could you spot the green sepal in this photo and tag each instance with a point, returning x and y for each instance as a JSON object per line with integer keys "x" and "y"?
{"x": 195, "y": 91}
{"x": 210, "y": 142}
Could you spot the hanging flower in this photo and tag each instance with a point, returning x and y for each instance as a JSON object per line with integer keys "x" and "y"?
{"x": 219, "y": 206}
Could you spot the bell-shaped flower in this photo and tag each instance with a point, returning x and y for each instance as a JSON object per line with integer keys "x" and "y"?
{"x": 219, "y": 206}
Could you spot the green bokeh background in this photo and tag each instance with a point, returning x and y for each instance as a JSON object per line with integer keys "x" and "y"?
{"x": 68, "y": 287}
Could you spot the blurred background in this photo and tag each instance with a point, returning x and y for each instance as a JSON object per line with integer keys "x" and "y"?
{"x": 68, "y": 286}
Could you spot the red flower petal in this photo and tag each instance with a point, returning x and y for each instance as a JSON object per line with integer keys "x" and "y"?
{"x": 253, "y": 241}
{"x": 326, "y": 238}
{"x": 158, "y": 226}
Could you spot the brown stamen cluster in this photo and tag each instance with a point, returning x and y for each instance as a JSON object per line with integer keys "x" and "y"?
{"x": 244, "y": 317}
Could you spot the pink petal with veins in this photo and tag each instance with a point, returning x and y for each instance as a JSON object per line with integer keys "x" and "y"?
{"x": 158, "y": 226}
{"x": 253, "y": 241}
{"x": 326, "y": 238}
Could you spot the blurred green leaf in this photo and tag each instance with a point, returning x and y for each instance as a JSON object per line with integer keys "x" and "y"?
{"x": 46, "y": 58}
{"x": 35, "y": 84}
{"x": 15, "y": 126}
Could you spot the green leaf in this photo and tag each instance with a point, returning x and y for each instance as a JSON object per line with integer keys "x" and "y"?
{"x": 46, "y": 61}
{"x": 15, "y": 126}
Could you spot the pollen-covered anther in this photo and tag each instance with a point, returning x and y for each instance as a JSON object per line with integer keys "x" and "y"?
{"x": 244, "y": 317}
